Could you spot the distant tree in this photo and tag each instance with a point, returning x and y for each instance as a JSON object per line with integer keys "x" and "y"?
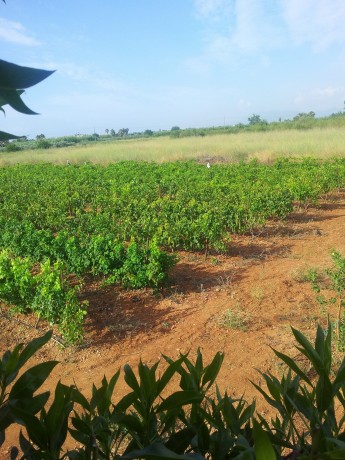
{"x": 175, "y": 128}
{"x": 107, "y": 131}
{"x": 112, "y": 133}
{"x": 256, "y": 120}
{"x": 42, "y": 143}
{"x": 123, "y": 132}
{"x": 303, "y": 115}
{"x": 148, "y": 132}
{"x": 40, "y": 136}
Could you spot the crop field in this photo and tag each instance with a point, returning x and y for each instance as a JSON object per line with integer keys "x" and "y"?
{"x": 127, "y": 221}
{"x": 132, "y": 259}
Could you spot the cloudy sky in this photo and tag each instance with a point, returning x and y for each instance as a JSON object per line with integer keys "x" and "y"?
{"x": 153, "y": 64}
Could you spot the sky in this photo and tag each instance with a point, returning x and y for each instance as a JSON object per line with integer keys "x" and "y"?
{"x": 154, "y": 64}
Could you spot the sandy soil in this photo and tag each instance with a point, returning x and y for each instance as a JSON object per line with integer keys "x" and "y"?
{"x": 261, "y": 280}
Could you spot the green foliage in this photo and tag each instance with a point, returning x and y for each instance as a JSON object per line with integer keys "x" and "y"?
{"x": 191, "y": 422}
{"x": 144, "y": 267}
{"x": 18, "y": 393}
{"x": 12, "y": 147}
{"x": 13, "y": 80}
{"x": 43, "y": 291}
{"x": 333, "y": 280}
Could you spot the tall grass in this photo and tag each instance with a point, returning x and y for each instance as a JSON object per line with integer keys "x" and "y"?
{"x": 265, "y": 146}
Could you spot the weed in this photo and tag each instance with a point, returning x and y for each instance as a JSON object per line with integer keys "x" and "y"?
{"x": 234, "y": 319}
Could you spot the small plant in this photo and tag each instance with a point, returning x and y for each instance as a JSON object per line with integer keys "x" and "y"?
{"x": 333, "y": 279}
{"x": 234, "y": 319}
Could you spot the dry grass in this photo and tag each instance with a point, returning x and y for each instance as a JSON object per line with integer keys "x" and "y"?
{"x": 265, "y": 146}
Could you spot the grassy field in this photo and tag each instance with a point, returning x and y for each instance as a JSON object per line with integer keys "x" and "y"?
{"x": 265, "y": 146}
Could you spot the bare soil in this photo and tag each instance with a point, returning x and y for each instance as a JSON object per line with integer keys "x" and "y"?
{"x": 261, "y": 282}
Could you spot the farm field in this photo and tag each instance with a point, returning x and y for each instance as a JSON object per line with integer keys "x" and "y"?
{"x": 135, "y": 259}
{"x": 318, "y": 142}
{"x": 262, "y": 278}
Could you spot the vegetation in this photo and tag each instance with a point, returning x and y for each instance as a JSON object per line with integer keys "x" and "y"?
{"x": 192, "y": 422}
{"x": 329, "y": 285}
{"x": 14, "y": 79}
{"x": 126, "y": 221}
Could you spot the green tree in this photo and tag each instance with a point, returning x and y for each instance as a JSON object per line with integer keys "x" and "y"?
{"x": 256, "y": 120}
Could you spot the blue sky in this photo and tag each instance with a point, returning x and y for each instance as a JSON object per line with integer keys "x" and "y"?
{"x": 154, "y": 64}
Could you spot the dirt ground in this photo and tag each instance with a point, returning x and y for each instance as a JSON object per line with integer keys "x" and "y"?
{"x": 242, "y": 304}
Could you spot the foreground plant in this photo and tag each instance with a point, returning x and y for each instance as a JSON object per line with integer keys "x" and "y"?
{"x": 190, "y": 423}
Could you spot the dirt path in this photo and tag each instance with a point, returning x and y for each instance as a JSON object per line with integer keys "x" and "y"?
{"x": 261, "y": 280}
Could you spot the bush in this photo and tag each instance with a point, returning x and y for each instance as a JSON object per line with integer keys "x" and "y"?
{"x": 42, "y": 144}
{"x": 12, "y": 147}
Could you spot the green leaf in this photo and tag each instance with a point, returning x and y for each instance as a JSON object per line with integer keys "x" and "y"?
{"x": 324, "y": 393}
{"x": 308, "y": 350}
{"x": 262, "y": 445}
{"x": 33, "y": 346}
{"x": 292, "y": 365}
{"x": 131, "y": 379}
{"x": 13, "y": 76}
{"x": 160, "y": 452}
{"x": 168, "y": 374}
{"x": 212, "y": 370}
{"x": 35, "y": 428}
{"x": 13, "y": 99}
{"x": 340, "y": 377}
{"x": 7, "y": 136}
{"x": 180, "y": 398}
{"x": 31, "y": 380}
{"x": 181, "y": 440}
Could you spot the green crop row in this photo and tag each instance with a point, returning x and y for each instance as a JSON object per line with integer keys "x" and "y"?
{"x": 125, "y": 221}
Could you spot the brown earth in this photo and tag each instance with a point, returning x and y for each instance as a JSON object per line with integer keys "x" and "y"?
{"x": 262, "y": 280}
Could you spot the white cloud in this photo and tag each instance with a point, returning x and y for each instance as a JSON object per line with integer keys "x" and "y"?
{"x": 14, "y": 32}
{"x": 243, "y": 28}
{"x": 317, "y": 22}
{"x": 212, "y": 8}
{"x": 321, "y": 96}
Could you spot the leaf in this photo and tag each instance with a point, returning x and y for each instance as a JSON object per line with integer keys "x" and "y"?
{"x": 13, "y": 76}
{"x": 180, "y": 398}
{"x": 212, "y": 370}
{"x": 167, "y": 375}
{"x": 31, "y": 380}
{"x": 13, "y": 99}
{"x": 35, "y": 428}
{"x": 160, "y": 452}
{"x": 131, "y": 379}
{"x": 181, "y": 440}
{"x": 308, "y": 350}
{"x": 7, "y": 136}
{"x": 324, "y": 393}
{"x": 340, "y": 377}
{"x": 262, "y": 445}
{"x": 33, "y": 346}
{"x": 291, "y": 363}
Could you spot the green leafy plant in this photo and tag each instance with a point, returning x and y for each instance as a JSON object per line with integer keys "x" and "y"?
{"x": 17, "y": 394}
{"x": 308, "y": 424}
{"x": 43, "y": 291}
{"x": 192, "y": 422}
